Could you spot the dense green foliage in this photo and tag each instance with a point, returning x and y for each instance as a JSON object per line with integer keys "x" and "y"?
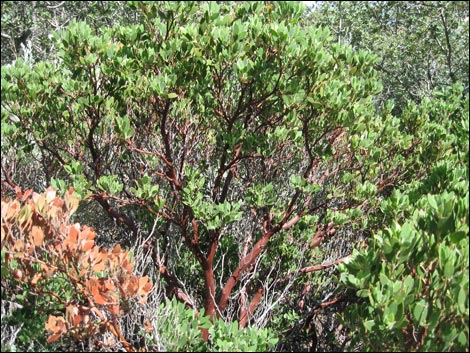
{"x": 413, "y": 276}
{"x": 253, "y": 151}
{"x": 179, "y": 331}
{"x": 422, "y": 45}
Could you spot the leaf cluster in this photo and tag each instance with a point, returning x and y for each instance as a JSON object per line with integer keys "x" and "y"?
{"x": 91, "y": 287}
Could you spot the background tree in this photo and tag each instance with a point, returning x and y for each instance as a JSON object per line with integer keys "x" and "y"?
{"x": 423, "y": 45}
{"x": 28, "y": 27}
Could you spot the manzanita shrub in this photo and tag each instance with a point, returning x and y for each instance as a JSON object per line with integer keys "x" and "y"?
{"x": 93, "y": 286}
{"x": 229, "y": 124}
{"x": 412, "y": 280}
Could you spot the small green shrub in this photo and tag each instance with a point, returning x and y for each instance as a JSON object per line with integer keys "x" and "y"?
{"x": 178, "y": 329}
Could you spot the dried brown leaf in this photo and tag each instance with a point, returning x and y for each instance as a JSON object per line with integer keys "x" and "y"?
{"x": 38, "y": 235}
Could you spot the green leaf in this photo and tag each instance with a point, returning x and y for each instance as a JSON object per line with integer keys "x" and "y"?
{"x": 369, "y": 325}
{"x": 432, "y": 202}
{"x": 406, "y": 233}
{"x": 462, "y": 339}
{"x": 462, "y": 300}
{"x": 408, "y": 284}
{"x": 449, "y": 269}
{"x": 420, "y": 312}
{"x": 456, "y": 237}
{"x": 363, "y": 293}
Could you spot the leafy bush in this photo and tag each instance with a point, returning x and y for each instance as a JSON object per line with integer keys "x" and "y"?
{"x": 412, "y": 280}
{"x": 230, "y": 123}
{"x": 178, "y": 329}
{"x": 81, "y": 288}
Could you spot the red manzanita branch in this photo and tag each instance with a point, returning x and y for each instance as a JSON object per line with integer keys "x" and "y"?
{"x": 322, "y": 232}
{"x": 246, "y": 314}
{"x": 321, "y": 267}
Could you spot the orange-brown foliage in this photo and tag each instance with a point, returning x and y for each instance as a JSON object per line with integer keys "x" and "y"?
{"x": 37, "y": 236}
